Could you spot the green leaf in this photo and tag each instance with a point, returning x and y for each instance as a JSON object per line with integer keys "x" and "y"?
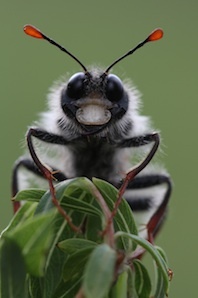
{"x": 75, "y": 263}
{"x": 32, "y": 195}
{"x": 45, "y": 286}
{"x": 120, "y": 289}
{"x": 26, "y": 211}
{"x": 78, "y": 196}
{"x": 68, "y": 289}
{"x": 160, "y": 290}
{"x": 80, "y": 206}
{"x": 34, "y": 238}
{"x": 131, "y": 291}
{"x": 142, "y": 280}
{"x": 93, "y": 229}
{"x": 60, "y": 225}
{"x": 46, "y": 203}
{"x": 99, "y": 272}
{"x": 78, "y": 260}
{"x": 70, "y": 246}
{"x": 53, "y": 274}
{"x": 35, "y": 287}
{"x": 75, "y": 197}
{"x": 154, "y": 253}
{"x": 160, "y": 286}
{"x": 123, "y": 220}
{"x": 12, "y": 270}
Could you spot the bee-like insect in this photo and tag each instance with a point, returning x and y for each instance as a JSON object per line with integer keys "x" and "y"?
{"x": 93, "y": 128}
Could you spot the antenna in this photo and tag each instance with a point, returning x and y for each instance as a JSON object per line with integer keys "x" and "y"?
{"x": 153, "y": 36}
{"x": 34, "y": 32}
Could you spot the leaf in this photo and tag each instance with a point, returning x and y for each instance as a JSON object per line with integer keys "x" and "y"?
{"x": 13, "y": 271}
{"x": 34, "y": 239}
{"x": 26, "y": 211}
{"x": 154, "y": 253}
{"x": 70, "y": 246}
{"x": 80, "y": 206}
{"x": 93, "y": 229}
{"x": 78, "y": 196}
{"x": 31, "y": 195}
{"x": 131, "y": 291}
{"x": 53, "y": 274}
{"x": 74, "y": 196}
{"x": 46, "y": 203}
{"x": 123, "y": 220}
{"x": 45, "y": 286}
{"x": 68, "y": 289}
{"x": 60, "y": 225}
{"x": 142, "y": 280}
{"x": 79, "y": 251}
{"x": 61, "y": 270}
{"x": 35, "y": 287}
{"x": 120, "y": 289}
{"x": 99, "y": 272}
{"x": 75, "y": 263}
{"x": 160, "y": 285}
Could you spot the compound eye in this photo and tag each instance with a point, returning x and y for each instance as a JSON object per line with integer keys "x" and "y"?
{"x": 75, "y": 86}
{"x": 114, "y": 88}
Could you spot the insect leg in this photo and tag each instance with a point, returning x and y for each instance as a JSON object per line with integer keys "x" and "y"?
{"x": 48, "y": 174}
{"x": 136, "y": 142}
{"x": 48, "y": 138}
{"x": 28, "y": 164}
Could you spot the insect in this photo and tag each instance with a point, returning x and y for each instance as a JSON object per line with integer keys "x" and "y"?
{"x": 93, "y": 128}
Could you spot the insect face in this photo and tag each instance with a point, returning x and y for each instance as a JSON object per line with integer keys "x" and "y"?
{"x": 93, "y": 100}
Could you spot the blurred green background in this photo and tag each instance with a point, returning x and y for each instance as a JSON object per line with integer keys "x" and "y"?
{"x": 165, "y": 72}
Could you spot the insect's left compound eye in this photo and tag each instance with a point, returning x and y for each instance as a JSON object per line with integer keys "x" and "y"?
{"x": 75, "y": 87}
{"x": 114, "y": 88}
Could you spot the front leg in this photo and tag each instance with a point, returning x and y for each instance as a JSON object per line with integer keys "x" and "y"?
{"x": 47, "y": 138}
{"x": 139, "y": 140}
{"x": 136, "y": 142}
{"x": 46, "y": 172}
{"x": 29, "y": 165}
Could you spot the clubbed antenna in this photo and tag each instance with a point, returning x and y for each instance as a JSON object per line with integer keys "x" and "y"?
{"x": 34, "y": 32}
{"x": 155, "y": 35}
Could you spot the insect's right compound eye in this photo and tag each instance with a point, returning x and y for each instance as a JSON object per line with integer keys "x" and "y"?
{"x": 75, "y": 86}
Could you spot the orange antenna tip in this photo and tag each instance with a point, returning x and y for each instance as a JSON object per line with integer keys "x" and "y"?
{"x": 155, "y": 35}
{"x": 32, "y": 31}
